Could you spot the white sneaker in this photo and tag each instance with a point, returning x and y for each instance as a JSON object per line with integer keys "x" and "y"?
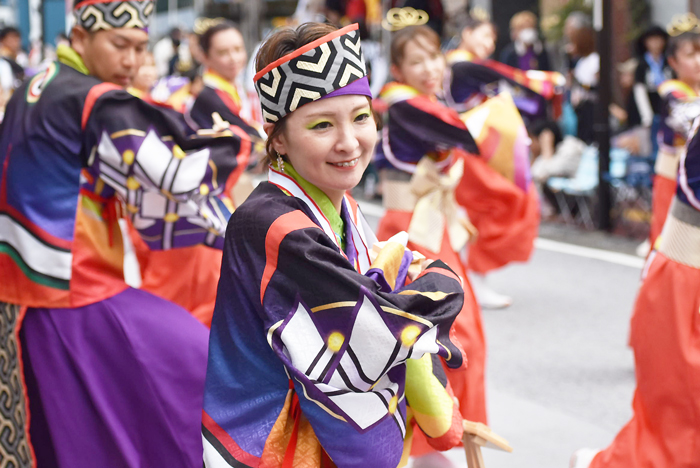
{"x": 582, "y": 458}
{"x": 643, "y": 249}
{"x": 487, "y": 297}
{"x": 432, "y": 460}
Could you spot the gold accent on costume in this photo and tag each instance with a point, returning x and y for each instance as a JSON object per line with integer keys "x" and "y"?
{"x": 178, "y": 153}
{"x": 132, "y": 183}
{"x": 449, "y": 353}
{"x": 128, "y": 157}
{"x": 99, "y": 186}
{"x": 684, "y": 23}
{"x": 409, "y": 335}
{"x": 171, "y": 217}
{"x": 333, "y": 306}
{"x": 127, "y": 132}
{"x": 335, "y": 341}
{"x": 401, "y": 313}
{"x": 432, "y": 295}
{"x": 393, "y": 403}
{"x": 204, "y": 189}
{"x": 399, "y": 18}
{"x": 389, "y": 260}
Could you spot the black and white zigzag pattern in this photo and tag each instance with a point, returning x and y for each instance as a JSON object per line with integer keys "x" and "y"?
{"x": 310, "y": 76}
{"x": 130, "y": 14}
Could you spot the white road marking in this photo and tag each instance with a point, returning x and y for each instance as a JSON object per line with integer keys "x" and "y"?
{"x": 587, "y": 252}
{"x": 371, "y": 209}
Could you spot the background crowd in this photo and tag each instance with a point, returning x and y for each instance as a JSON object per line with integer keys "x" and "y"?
{"x": 561, "y": 137}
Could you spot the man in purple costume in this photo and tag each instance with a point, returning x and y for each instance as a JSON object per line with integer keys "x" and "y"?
{"x": 114, "y": 375}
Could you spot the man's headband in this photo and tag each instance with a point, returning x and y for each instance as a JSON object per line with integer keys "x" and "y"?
{"x": 330, "y": 66}
{"x": 95, "y": 15}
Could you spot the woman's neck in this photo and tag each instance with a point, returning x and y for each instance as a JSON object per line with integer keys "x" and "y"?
{"x": 336, "y": 199}
{"x": 692, "y": 84}
{"x": 221, "y": 77}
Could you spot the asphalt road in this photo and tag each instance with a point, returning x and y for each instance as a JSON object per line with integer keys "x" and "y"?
{"x": 560, "y": 375}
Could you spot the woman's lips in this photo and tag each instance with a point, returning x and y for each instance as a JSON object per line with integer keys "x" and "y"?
{"x": 343, "y": 164}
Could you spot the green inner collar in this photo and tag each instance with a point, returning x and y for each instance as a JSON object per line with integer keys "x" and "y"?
{"x": 68, "y": 56}
{"x": 322, "y": 200}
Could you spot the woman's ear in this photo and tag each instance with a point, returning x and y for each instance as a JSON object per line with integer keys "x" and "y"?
{"x": 278, "y": 141}
{"x": 672, "y": 62}
{"x": 268, "y": 127}
{"x": 466, "y": 35}
{"x": 396, "y": 73}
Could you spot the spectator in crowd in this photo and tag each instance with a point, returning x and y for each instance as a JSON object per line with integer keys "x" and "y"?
{"x": 585, "y": 77}
{"x": 526, "y": 52}
{"x": 165, "y": 49}
{"x": 653, "y": 69}
{"x": 554, "y": 156}
{"x": 631, "y": 134}
{"x": 10, "y": 48}
{"x": 575, "y": 21}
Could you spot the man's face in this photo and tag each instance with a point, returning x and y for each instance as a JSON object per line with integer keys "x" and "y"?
{"x": 13, "y": 43}
{"x": 115, "y": 55}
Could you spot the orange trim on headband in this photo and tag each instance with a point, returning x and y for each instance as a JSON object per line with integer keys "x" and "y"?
{"x": 304, "y": 49}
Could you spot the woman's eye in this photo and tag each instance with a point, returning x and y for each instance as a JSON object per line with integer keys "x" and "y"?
{"x": 362, "y": 117}
{"x": 321, "y": 126}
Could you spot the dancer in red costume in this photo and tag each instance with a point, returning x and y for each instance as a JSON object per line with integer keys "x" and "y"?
{"x": 674, "y": 124}
{"x": 419, "y": 174}
{"x": 664, "y": 431}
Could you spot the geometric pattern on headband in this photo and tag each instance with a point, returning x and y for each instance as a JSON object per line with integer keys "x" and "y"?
{"x": 311, "y": 72}
{"x": 104, "y": 15}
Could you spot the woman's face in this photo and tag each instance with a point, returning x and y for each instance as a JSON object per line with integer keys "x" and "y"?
{"x": 686, "y": 63}
{"x": 147, "y": 75}
{"x": 422, "y": 67}
{"x": 227, "y": 55}
{"x": 330, "y": 142}
{"x": 480, "y": 41}
{"x": 655, "y": 45}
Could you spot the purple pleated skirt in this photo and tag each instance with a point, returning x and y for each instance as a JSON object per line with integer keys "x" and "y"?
{"x": 115, "y": 384}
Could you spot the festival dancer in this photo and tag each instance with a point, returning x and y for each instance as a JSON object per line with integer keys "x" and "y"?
{"x": 114, "y": 375}
{"x": 218, "y": 104}
{"x": 419, "y": 174}
{"x": 505, "y": 214}
{"x": 225, "y": 58}
{"x": 665, "y": 335}
{"x": 310, "y": 338}
{"x": 477, "y": 41}
{"x": 684, "y": 57}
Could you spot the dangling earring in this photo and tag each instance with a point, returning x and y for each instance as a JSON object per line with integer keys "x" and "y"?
{"x": 280, "y": 162}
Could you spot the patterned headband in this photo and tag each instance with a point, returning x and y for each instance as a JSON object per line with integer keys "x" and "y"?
{"x": 317, "y": 70}
{"x": 95, "y": 15}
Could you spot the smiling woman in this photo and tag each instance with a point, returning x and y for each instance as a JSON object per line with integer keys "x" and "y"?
{"x": 312, "y": 334}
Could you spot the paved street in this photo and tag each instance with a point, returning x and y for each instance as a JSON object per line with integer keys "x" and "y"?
{"x": 560, "y": 374}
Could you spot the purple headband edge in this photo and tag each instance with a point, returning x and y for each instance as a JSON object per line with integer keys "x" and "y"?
{"x": 359, "y": 86}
